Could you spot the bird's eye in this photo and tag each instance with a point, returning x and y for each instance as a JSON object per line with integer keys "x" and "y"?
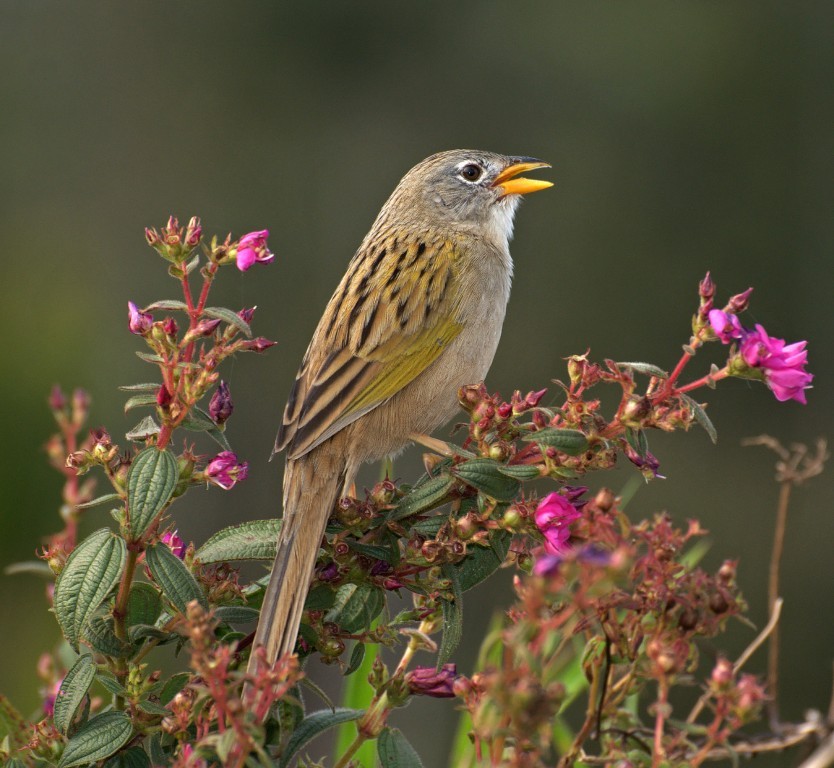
{"x": 471, "y": 172}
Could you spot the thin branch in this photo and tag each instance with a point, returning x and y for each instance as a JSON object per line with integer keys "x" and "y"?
{"x": 745, "y": 656}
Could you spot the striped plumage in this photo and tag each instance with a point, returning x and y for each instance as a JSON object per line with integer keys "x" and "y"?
{"x": 417, "y": 315}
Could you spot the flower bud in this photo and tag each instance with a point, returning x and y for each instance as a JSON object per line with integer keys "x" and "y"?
{"x": 706, "y": 288}
{"x": 247, "y": 314}
{"x": 221, "y": 405}
{"x": 427, "y": 681}
{"x": 57, "y": 399}
{"x": 139, "y": 322}
{"x": 193, "y": 232}
{"x": 224, "y": 470}
{"x": 169, "y": 325}
{"x": 152, "y": 237}
{"x": 722, "y": 673}
{"x": 740, "y": 301}
{"x": 257, "y": 345}
{"x": 163, "y": 396}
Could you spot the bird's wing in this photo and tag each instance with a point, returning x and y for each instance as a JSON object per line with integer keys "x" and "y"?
{"x": 366, "y": 350}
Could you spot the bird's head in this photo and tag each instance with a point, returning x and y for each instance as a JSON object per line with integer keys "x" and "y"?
{"x": 467, "y": 190}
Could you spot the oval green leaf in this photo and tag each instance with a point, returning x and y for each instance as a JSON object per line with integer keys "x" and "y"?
{"x": 73, "y": 688}
{"x": 97, "y": 739}
{"x": 179, "y": 586}
{"x": 395, "y": 751}
{"x": 482, "y": 562}
{"x": 135, "y": 757}
{"x": 230, "y": 317}
{"x": 314, "y": 724}
{"x": 143, "y": 604}
{"x": 426, "y": 496}
{"x": 356, "y": 606}
{"x": 452, "y": 617}
{"x": 255, "y": 540}
{"x": 151, "y": 480}
{"x": 569, "y": 441}
{"x": 90, "y": 573}
{"x": 100, "y": 636}
{"x": 486, "y": 476}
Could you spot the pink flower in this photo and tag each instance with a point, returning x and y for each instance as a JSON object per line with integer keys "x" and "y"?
{"x": 251, "y": 248}
{"x": 225, "y": 470}
{"x": 427, "y": 681}
{"x": 139, "y": 322}
{"x": 174, "y": 542}
{"x": 554, "y": 515}
{"x": 783, "y": 365}
{"x": 726, "y": 326}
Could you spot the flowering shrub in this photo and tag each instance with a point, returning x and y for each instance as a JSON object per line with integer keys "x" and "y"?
{"x": 607, "y": 610}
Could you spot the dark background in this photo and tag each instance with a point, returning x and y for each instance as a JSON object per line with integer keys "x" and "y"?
{"x": 683, "y": 136}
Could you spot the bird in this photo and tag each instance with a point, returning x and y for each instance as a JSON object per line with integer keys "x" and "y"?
{"x": 417, "y": 315}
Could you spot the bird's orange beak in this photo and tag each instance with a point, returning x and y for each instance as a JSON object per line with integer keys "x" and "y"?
{"x": 509, "y": 183}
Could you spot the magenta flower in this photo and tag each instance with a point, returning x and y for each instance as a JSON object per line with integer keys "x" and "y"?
{"x": 225, "y": 470}
{"x": 174, "y": 542}
{"x": 726, "y": 326}
{"x": 139, "y": 322}
{"x": 251, "y": 248}
{"x": 221, "y": 405}
{"x": 554, "y": 515}
{"x": 427, "y": 681}
{"x": 781, "y": 364}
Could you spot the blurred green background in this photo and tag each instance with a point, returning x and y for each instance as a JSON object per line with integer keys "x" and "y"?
{"x": 684, "y": 136}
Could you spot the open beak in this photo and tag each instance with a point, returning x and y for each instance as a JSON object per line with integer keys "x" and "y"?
{"x": 509, "y": 183}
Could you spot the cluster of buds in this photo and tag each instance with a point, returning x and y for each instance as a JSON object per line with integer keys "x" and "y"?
{"x": 175, "y": 243}
{"x": 492, "y": 423}
{"x": 735, "y": 699}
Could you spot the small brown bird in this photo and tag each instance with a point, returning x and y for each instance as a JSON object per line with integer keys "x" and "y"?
{"x": 417, "y": 315}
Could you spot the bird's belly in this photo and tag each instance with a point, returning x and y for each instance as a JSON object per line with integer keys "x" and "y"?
{"x": 431, "y": 399}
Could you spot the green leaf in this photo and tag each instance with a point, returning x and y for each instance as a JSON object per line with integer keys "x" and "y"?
{"x": 90, "y": 573}
{"x": 143, "y": 604}
{"x": 157, "y": 755}
{"x": 35, "y": 567}
{"x": 108, "y": 681}
{"x": 98, "y": 738}
{"x": 637, "y": 439}
{"x": 173, "y": 687}
{"x": 520, "y": 471}
{"x": 374, "y": 551}
{"x": 167, "y": 305}
{"x": 153, "y": 708}
{"x": 647, "y": 368}
{"x": 357, "y": 656}
{"x": 197, "y": 420}
{"x": 151, "y": 480}
{"x": 236, "y": 614}
{"x": 395, "y": 751}
{"x": 320, "y": 598}
{"x": 143, "y": 430}
{"x": 701, "y": 417}
{"x": 314, "y": 724}
{"x": 356, "y": 606}
{"x": 452, "y": 617}
{"x": 179, "y": 586}
{"x": 148, "y": 357}
{"x": 150, "y": 386}
{"x": 230, "y": 317}
{"x": 135, "y": 757}
{"x": 102, "y": 639}
{"x": 108, "y": 498}
{"x": 482, "y": 562}
{"x": 139, "y": 401}
{"x": 73, "y": 689}
{"x": 255, "y": 540}
{"x": 423, "y": 497}
{"x": 430, "y": 525}
{"x": 486, "y": 476}
{"x": 569, "y": 441}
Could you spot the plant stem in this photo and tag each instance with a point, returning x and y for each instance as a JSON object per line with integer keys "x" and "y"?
{"x": 659, "y": 754}
{"x": 772, "y": 597}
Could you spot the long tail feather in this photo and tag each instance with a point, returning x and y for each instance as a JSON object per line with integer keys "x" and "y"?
{"x": 311, "y": 486}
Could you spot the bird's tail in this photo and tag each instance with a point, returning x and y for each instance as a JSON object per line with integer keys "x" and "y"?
{"x": 311, "y": 486}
